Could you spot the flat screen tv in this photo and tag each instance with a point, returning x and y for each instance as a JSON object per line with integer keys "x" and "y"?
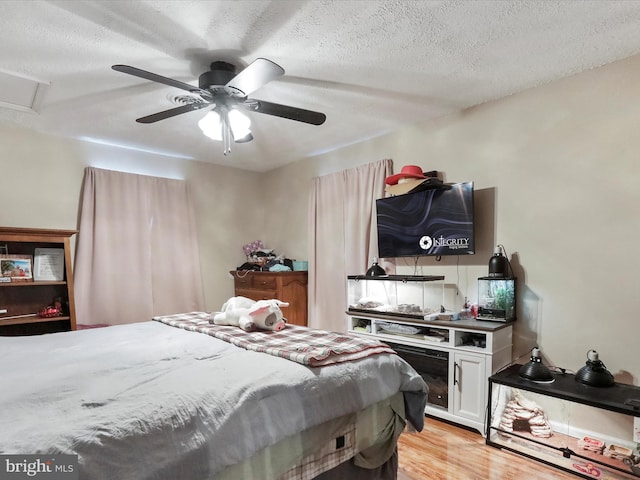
{"x": 437, "y": 221}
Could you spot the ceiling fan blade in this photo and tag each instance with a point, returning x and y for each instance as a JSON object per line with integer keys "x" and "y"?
{"x": 159, "y": 78}
{"x": 172, "y": 112}
{"x": 284, "y": 111}
{"x": 257, "y": 74}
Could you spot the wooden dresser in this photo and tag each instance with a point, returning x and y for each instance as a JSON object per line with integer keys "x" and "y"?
{"x": 289, "y": 287}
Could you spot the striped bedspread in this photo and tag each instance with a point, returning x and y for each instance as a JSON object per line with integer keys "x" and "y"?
{"x": 304, "y": 345}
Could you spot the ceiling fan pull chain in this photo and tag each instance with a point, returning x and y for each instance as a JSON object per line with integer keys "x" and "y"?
{"x": 226, "y": 132}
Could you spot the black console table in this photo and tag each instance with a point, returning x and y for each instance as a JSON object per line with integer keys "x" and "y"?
{"x": 563, "y": 449}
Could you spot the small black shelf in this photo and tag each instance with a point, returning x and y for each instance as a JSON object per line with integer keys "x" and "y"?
{"x": 565, "y": 386}
{"x": 562, "y": 449}
{"x": 398, "y": 278}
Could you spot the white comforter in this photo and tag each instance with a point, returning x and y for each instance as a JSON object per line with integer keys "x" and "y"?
{"x": 149, "y": 401}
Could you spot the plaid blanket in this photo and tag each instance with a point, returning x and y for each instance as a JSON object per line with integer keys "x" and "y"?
{"x": 304, "y": 345}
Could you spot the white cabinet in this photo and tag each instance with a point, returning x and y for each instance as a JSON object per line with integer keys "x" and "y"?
{"x": 469, "y": 380}
{"x": 455, "y": 358}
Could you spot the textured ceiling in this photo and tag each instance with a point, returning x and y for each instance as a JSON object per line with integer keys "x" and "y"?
{"x": 370, "y": 66}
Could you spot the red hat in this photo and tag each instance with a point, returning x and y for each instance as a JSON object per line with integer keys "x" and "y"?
{"x": 408, "y": 171}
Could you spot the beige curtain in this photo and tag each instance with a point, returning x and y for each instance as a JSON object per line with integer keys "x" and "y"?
{"x": 342, "y": 237}
{"x": 137, "y": 251}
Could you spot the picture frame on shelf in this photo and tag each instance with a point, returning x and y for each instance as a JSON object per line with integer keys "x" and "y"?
{"x": 48, "y": 264}
{"x": 16, "y": 268}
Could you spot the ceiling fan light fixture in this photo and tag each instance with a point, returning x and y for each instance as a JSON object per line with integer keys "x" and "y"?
{"x": 239, "y": 124}
{"x": 211, "y": 125}
{"x": 245, "y": 139}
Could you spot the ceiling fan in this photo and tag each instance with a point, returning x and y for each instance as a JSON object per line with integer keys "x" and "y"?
{"x": 227, "y": 93}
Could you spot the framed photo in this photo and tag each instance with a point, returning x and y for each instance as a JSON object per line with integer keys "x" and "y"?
{"x": 16, "y": 268}
{"x": 48, "y": 264}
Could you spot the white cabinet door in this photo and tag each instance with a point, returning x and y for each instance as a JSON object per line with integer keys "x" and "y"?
{"x": 469, "y": 378}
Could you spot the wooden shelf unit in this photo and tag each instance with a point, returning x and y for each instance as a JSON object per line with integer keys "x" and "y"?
{"x": 23, "y": 300}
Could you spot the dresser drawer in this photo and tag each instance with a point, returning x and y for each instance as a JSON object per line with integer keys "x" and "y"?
{"x": 255, "y": 294}
{"x": 260, "y": 281}
{"x": 265, "y": 282}
{"x": 243, "y": 282}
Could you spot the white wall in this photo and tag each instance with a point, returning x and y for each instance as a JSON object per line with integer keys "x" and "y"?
{"x": 42, "y": 177}
{"x": 556, "y": 173}
{"x": 229, "y": 206}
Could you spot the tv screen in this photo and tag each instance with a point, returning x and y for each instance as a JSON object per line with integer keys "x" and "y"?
{"x": 438, "y": 222}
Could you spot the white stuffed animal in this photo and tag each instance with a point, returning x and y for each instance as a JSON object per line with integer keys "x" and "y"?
{"x": 235, "y": 311}
{"x": 267, "y": 315}
{"x": 248, "y": 314}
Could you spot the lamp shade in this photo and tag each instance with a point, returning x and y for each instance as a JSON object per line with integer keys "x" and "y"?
{"x": 534, "y": 369}
{"x": 498, "y": 265}
{"x": 239, "y": 124}
{"x": 594, "y": 372}
{"x": 211, "y": 125}
{"x": 375, "y": 270}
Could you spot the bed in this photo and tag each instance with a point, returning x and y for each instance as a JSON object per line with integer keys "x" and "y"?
{"x": 172, "y": 398}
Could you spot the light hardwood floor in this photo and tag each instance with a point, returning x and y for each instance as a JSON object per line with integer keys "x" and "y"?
{"x": 443, "y": 451}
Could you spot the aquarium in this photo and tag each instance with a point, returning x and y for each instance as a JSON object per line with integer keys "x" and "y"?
{"x": 496, "y": 299}
{"x": 411, "y": 296}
